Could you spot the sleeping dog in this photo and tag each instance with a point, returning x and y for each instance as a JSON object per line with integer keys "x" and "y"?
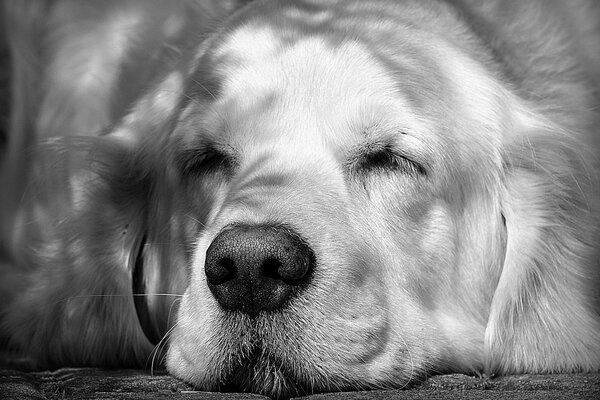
{"x": 289, "y": 197}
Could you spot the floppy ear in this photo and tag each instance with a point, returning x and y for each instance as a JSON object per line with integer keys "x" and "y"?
{"x": 96, "y": 239}
{"x": 544, "y": 315}
{"x": 99, "y": 247}
{"x": 66, "y": 285}
{"x": 98, "y": 256}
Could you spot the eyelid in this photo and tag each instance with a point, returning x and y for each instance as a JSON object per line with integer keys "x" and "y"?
{"x": 202, "y": 160}
{"x": 413, "y": 166}
{"x": 384, "y": 158}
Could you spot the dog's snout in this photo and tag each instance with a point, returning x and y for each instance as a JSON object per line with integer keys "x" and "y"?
{"x": 257, "y": 268}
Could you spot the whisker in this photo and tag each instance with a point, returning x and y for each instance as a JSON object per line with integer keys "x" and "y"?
{"x": 164, "y": 244}
{"x": 117, "y": 296}
{"x": 176, "y": 301}
{"x": 202, "y": 225}
{"x": 203, "y": 87}
{"x": 159, "y": 347}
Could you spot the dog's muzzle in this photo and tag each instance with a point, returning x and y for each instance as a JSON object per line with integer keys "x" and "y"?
{"x": 254, "y": 268}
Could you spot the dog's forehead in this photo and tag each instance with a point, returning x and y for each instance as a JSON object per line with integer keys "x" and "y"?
{"x": 311, "y": 83}
{"x": 262, "y": 79}
{"x": 306, "y": 69}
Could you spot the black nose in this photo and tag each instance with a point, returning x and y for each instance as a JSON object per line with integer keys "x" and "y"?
{"x": 255, "y": 268}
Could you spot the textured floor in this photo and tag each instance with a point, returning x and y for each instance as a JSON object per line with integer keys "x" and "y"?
{"x": 131, "y": 384}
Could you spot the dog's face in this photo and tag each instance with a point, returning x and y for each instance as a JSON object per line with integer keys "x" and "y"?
{"x": 344, "y": 234}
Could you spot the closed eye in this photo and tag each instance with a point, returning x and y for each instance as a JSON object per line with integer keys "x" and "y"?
{"x": 205, "y": 160}
{"x": 384, "y": 159}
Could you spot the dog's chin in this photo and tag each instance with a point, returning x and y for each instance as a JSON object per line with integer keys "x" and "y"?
{"x": 253, "y": 355}
{"x": 254, "y": 362}
{"x": 266, "y": 374}
{"x": 248, "y": 363}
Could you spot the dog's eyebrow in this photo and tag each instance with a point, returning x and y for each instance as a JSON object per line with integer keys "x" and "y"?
{"x": 204, "y": 89}
{"x": 203, "y": 83}
{"x": 198, "y": 125}
{"x": 382, "y": 131}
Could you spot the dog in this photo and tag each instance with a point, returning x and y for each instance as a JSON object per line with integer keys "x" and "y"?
{"x": 291, "y": 197}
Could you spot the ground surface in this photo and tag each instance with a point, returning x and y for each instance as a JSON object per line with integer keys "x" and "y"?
{"x": 95, "y": 384}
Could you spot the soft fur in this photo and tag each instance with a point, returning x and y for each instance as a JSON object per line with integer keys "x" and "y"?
{"x": 439, "y": 158}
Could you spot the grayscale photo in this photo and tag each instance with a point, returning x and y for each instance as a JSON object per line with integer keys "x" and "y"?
{"x": 338, "y": 199}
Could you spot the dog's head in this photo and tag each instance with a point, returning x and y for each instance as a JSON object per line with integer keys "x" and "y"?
{"x": 370, "y": 204}
{"x": 364, "y": 199}
{"x": 355, "y": 233}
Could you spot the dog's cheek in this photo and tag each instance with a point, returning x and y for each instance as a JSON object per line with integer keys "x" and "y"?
{"x": 437, "y": 248}
{"x": 434, "y": 256}
{"x": 193, "y": 354}
{"x": 189, "y": 357}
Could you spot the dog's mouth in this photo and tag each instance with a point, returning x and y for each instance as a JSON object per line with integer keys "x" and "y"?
{"x": 279, "y": 377}
{"x": 251, "y": 361}
{"x": 266, "y": 375}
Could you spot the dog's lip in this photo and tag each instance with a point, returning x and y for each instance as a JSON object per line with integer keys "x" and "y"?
{"x": 258, "y": 368}
{"x": 275, "y": 380}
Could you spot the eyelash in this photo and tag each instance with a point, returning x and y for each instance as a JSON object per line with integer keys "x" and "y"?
{"x": 385, "y": 159}
{"x": 204, "y": 161}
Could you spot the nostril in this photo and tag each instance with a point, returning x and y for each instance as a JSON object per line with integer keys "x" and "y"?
{"x": 292, "y": 269}
{"x": 270, "y": 268}
{"x": 221, "y": 271}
